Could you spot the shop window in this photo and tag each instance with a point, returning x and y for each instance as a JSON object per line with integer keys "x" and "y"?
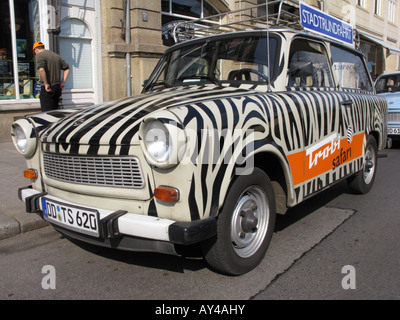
{"x": 76, "y": 49}
{"x": 19, "y": 27}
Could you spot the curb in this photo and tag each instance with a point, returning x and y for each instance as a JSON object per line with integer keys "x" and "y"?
{"x": 14, "y": 219}
{"x": 11, "y": 226}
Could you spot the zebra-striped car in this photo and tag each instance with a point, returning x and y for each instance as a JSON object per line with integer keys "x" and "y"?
{"x": 229, "y": 130}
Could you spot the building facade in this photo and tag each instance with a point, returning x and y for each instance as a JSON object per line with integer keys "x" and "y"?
{"x": 113, "y": 45}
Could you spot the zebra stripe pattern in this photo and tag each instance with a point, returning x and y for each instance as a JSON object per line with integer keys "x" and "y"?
{"x": 286, "y": 124}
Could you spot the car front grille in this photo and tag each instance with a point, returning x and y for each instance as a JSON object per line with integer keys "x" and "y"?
{"x": 394, "y": 117}
{"x": 122, "y": 172}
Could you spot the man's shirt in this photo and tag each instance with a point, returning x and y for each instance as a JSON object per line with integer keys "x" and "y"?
{"x": 52, "y": 64}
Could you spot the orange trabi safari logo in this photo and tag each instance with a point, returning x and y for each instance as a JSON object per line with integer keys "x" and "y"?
{"x": 325, "y": 149}
{"x": 328, "y": 154}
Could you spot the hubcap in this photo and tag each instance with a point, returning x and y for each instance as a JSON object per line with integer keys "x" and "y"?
{"x": 369, "y": 165}
{"x": 249, "y": 223}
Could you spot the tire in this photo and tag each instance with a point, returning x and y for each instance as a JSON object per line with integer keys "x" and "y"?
{"x": 244, "y": 227}
{"x": 363, "y": 180}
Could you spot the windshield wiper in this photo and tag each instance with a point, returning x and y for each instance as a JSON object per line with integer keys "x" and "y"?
{"x": 199, "y": 76}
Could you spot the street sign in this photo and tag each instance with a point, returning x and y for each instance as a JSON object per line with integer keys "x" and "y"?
{"x": 318, "y": 21}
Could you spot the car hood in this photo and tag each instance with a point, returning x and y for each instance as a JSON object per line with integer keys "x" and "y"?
{"x": 117, "y": 123}
{"x": 393, "y": 99}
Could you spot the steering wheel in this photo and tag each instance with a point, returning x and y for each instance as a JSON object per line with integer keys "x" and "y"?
{"x": 246, "y": 72}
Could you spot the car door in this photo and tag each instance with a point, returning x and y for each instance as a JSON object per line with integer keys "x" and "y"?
{"x": 327, "y": 119}
{"x": 357, "y": 107}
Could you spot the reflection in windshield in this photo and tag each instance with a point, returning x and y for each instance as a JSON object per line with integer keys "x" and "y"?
{"x": 228, "y": 60}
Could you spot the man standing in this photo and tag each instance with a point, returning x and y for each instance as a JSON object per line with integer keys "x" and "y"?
{"x": 50, "y": 65}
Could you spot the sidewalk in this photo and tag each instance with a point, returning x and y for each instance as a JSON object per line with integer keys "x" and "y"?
{"x": 13, "y": 217}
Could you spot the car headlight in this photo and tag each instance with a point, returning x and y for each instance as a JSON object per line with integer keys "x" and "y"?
{"x": 157, "y": 141}
{"x": 24, "y": 137}
{"x": 163, "y": 143}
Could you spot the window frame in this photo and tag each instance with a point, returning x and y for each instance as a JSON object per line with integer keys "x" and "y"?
{"x": 325, "y": 53}
{"x": 361, "y": 3}
{"x": 173, "y": 17}
{"x": 378, "y": 7}
{"x": 83, "y": 39}
{"x": 359, "y": 56}
{"x": 391, "y": 12}
{"x": 202, "y": 5}
{"x": 158, "y": 76}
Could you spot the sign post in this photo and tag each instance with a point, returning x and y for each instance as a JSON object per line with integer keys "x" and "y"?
{"x": 318, "y": 21}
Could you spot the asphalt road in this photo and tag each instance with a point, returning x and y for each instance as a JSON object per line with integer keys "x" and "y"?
{"x": 311, "y": 245}
{"x": 369, "y": 241}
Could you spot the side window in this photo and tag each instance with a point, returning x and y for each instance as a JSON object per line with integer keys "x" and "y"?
{"x": 350, "y": 69}
{"x": 308, "y": 65}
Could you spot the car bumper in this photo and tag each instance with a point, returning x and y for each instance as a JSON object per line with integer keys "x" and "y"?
{"x": 125, "y": 230}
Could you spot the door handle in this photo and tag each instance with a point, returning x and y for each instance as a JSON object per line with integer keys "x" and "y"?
{"x": 347, "y": 103}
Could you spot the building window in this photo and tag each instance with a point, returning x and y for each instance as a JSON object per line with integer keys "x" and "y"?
{"x": 392, "y": 11}
{"x": 361, "y": 3}
{"x": 19, "y": 27}
{"x": 173, "y": 10}
{"x": 76, "y": 48}
{"x": 377, "y": 8}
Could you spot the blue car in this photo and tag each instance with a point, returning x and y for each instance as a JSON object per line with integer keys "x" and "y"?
{"x": 388, "y": 86}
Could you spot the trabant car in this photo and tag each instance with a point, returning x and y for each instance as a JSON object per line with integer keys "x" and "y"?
{"x": 388, "y": 86}
{"x": 230, "y": 130}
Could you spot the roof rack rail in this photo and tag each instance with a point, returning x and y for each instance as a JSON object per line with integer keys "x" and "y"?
{"x": 282, "y": 13}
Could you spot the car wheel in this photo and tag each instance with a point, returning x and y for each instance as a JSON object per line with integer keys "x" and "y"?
{"x": 362, "y": 182}
{"x": 244, "y": 227}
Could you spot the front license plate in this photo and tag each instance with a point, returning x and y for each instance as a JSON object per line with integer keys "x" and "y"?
{"x": 393, "y": 130}
{"x": 75, "y": 218}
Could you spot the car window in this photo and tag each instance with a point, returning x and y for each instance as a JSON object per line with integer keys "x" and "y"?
{"x": 350, "y": 69}
{"x": 390, "y": 83}
{"x": 235, "y": 59}
{"x": 245, "y": 59}
{"x": 189, "y": 62}
{"x": 308, "y": 65}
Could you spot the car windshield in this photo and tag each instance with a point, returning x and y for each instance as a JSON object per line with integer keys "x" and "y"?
{"x": 243, "y": 59}
{"x": 389, "y": 83}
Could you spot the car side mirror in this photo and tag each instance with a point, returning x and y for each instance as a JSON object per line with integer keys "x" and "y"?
{"x": 300, "y": 69}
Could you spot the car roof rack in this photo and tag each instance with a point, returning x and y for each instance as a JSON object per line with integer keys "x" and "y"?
{"x": 281, "y": 13}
